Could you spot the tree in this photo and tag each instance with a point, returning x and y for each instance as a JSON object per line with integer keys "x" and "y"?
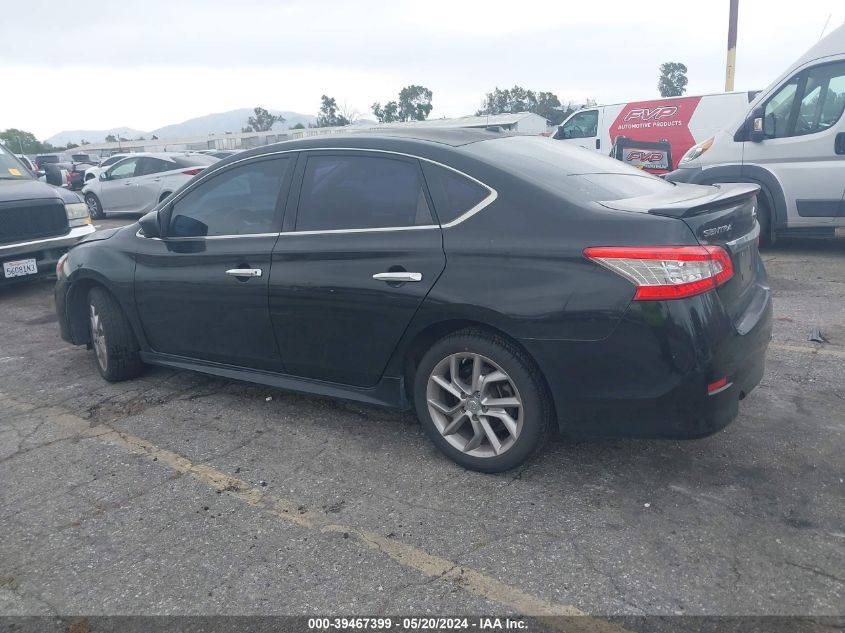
{"x": 153, "y": 138}
{"x": 328, "y": 115}
{"x": 262, "y": 121}
{"x": 387, "y": 114}
{"x": 298, "y": 126}
{"x": 111, "y": 138}
{"x": 518, "y": 99}
{"x": 71, "y": 145}
{"x": 414, "y": 104}
{"x": 21, "y": 142}
{"x": 673, "y": 79}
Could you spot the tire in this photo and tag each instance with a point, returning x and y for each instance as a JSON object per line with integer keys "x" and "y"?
{"x": 112, "y": 339}
{"x": 764, "y": 219}
{"x": 95, "y": 207}
{"x": 461, "y": 427}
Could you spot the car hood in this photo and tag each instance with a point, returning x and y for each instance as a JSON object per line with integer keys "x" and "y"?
{"x": 14, "y": 190}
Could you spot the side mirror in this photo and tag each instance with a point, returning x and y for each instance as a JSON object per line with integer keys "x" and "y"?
{"x": 150, "y": 226}
{"x": 104, "y": 175}
{"x": 755, "y": 128}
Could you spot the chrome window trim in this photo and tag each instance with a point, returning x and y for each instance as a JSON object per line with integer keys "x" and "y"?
{"x": 140, "y": 234}
{"x": 490, "y": 199}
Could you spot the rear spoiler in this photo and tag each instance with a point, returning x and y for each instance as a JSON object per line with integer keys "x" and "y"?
{"x": 688, "y": 200}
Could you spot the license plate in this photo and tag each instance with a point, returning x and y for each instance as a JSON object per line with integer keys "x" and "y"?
{"x": 19, "y": 268}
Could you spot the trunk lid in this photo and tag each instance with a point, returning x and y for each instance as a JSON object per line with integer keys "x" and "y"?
{"x": 724, "y": 215}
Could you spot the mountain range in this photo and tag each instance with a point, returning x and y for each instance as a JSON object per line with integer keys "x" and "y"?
{"x": 218, "y": 123}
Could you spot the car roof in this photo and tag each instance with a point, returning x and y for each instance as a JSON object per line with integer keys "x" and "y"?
{"x": 162, "y": 155}
{"x": 398, "y": 139}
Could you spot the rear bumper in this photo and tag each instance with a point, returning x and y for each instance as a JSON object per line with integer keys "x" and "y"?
{"x": 650, "y": 377}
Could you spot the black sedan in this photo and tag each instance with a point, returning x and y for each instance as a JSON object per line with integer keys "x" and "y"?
{"x": 502, "y": 286}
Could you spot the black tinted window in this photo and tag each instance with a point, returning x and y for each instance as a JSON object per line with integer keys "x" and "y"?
{"x": 147, "y": 166}
{"x": 452, "y": 194}
{"x": 361, "y": 192}
{"x": 239, "y": 201}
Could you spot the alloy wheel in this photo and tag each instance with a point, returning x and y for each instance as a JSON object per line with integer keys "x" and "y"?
{"x": 474, "y": 404}
{"x": 98, "y": 338}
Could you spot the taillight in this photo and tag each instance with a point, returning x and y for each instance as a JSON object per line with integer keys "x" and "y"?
{"x": 193, "y": 171}
{"x": 666, "y": 272}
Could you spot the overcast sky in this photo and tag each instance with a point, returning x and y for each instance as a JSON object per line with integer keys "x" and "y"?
{"x": 151, "y": 63}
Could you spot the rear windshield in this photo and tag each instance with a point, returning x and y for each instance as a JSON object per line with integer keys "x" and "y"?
{"x": 194, "y": 160}
{"x": 11, "y": 168}
{"x": 47, "y": 158}
{"x": 574, "y": 172}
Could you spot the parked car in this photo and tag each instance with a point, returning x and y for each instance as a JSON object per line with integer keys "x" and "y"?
{"x": 93, "y": 172}
{"x": 791, "y": 143}
{"x": 63, "y": 170}
{"x": 224, "y": 153}
{"x": 139, "y": 182}
{"x": 500, "y": 285}
{"x": 652, "y": 135}
{"x": 38, "y": 222}
{"x": 30, "y": 165}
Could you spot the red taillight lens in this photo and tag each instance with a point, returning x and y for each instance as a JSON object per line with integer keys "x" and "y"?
{"x": 193, "y": 171}
{"x": 666, "y": 272}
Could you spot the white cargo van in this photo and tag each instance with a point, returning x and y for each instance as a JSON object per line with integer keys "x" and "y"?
{"x": 791, "y": 142}
{"x": 653, "y": 135}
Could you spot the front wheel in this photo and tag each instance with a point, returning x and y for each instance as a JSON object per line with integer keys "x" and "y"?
{"x": 114, "y": 343}
{"x": 482, "y": 401}
{"x": 95, "y": 208}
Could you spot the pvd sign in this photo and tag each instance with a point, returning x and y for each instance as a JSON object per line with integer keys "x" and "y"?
{"x": 651, "y": 114}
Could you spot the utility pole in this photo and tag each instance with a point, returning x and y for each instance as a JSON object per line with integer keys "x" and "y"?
{"x": 730, "y": 67}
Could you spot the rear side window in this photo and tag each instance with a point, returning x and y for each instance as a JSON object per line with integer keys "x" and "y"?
{"x": 239, "y": 201}
{"x": 453, "y": 194}
{"x": 148, "y": 166}
{"x": 361, "y": 192}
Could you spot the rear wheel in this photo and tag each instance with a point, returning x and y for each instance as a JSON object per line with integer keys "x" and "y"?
{"x": 95, "y": 208}
{"x": 482, "y": 401}
{"x": 112, "y": 339}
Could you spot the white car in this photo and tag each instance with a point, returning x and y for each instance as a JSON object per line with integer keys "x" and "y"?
{"x": 93, "y": 172}
{"x": 139, "y": 182}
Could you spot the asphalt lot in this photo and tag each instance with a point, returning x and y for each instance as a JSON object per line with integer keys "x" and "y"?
{"x": 184, "y": 494}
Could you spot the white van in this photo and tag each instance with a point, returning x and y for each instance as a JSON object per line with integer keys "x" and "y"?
{"x": 792, "y": 143}
{"x": 653, "y": 135}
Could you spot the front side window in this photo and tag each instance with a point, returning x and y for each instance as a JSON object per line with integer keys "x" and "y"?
{"x": 238, "y": 201}
{"x": 810, "y": 102}
{"x": 125, "y": 169}
{"x": 361, "y": 192}
{"x": 580, "y": 125}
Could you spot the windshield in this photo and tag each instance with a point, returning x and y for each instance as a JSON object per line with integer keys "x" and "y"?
{"x": 571, "y": 171}
{"x": 11, "y": 168}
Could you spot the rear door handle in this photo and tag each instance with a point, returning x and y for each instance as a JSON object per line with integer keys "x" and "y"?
{"x": 398, "y": 276}
{"x": 244, "y": 272}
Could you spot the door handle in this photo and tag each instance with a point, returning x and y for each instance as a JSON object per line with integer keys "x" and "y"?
{"x": 398, "y": 276}
{"x": 157, "y": 179}
{"x": 598, "y": 143}
{"x": 839, "y": 143}
{"x": 244, "y": 272}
